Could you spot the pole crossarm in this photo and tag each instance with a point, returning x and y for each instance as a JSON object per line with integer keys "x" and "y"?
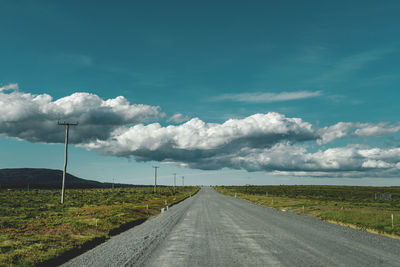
{"x": 67, "y": 123}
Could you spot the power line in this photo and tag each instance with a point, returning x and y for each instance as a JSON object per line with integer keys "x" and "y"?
{"x": 66, "y": 124}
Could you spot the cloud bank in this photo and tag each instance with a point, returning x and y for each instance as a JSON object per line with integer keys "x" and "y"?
{"x": 270, "y": 142}
{"x": 34, "y": 117}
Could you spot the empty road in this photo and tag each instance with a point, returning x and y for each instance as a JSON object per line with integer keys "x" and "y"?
{"x": 211, "y": 229}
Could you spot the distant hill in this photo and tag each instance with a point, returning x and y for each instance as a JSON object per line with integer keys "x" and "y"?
{"x": 46, "y": 178}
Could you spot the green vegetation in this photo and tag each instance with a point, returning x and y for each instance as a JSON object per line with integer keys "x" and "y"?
{"x": 368, "y": 208}
{"x": 34, "y": 227}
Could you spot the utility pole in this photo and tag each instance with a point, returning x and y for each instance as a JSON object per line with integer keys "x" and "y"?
{"x": 155, "y": 178}
{"x": 174, "y": 182}
{"x": 66, "y": 124}
{"x": 183, "y": 180}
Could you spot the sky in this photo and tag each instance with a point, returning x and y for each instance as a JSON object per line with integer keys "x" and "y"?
{"x": 220, "y": 92}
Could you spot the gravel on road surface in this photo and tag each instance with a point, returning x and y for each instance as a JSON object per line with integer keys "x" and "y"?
{"x": 210, "y": 229}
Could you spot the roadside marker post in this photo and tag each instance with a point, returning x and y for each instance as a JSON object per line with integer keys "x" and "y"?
{"x": 392, "y": 221}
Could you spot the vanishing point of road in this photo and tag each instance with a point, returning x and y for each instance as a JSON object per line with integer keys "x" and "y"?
{"x": 210, "y": 229}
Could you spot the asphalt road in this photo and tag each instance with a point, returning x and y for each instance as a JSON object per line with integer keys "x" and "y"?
{"x": 211, "y": 229}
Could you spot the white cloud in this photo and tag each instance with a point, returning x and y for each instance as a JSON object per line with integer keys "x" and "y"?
{"x": 343, "y": 129}
{"x": 178, "y": 118}
{"x": 285, "y": 159}
{"x": 368, "y": 129}
{"x": 11, "y": 86}
{"x": 267, "y": 97}
{"x": 34, "y": 117}
{"x": 197, "y": 137}
{"x": 268, "y": 142}
{"x": 330, "y": 133}
{"x": 262, "y": 142}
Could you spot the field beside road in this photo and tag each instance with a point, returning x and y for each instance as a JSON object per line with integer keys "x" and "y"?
{"x": 212, "y": 229}
{"x": 35, "y": 228}
{"x": 368, "y": 208}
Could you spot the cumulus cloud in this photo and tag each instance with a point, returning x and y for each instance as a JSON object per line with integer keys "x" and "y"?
{"x": 343, "y": 129}
{"x": 350, "y": 161}
{"x": 330, "y": 133}
{"x": 196, "y": 137}
{"x": 11, "y": 86}
{"x": 267, "y": 97}
{"x": 34, "y": 117}
{"x": 178, "y": 118}
{"x": 269, "y": 142}
{"x": 368, "y": 129}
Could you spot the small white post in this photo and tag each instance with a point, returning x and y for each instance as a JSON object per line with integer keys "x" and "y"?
{"x": 96, "y": 222}
{"x": 303, "y": 208}
{"x": 162, "y": 210}
{"x": 235, "y": 195}
{"x": 392, "y": 221}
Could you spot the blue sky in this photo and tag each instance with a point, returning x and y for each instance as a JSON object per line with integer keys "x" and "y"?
{"x": 325, "y": 62}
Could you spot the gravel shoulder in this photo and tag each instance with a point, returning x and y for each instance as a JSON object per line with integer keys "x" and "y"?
{"x": 210, "y": 229}
{"x": 134, "y": 245}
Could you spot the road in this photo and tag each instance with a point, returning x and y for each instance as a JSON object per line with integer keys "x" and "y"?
{"x": 211, "y": 229}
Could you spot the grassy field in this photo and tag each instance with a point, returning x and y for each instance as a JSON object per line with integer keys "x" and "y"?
{"x": 34, "y": 227}
{"x": 367, "y": 208}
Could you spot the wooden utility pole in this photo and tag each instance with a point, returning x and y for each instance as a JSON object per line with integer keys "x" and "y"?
{"x": 183, "y": 180}
{"x": 155, "y": 178}
{"x": 174, "y": 181}
{"x": 66, "y": 124}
